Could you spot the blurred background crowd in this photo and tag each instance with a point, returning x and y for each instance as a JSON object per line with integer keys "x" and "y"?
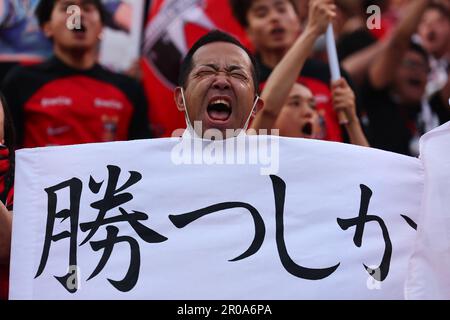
{"x": 393, "y": 53}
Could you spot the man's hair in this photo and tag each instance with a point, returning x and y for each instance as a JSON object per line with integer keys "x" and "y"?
{"x": 240, "y": 9}
{"x": 45, "y": 8}
{"x": 441, "y": 8}
{"x": 211, "y": 37}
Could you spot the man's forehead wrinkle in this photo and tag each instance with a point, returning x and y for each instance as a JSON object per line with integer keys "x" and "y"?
{"x": 236, "y": 57}
{"x": 227, "y": 66}
{"x": 222, "y": 61}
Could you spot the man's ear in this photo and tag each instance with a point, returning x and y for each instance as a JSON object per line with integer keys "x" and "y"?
{"x": 47, "y": 30}
{"x": 178, "y": 96}
{"x": 258, "y": 106}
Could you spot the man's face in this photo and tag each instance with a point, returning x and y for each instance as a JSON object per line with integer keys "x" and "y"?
{"x": 411, "y": 78}
{"x": 298, "y": 117}
{"x": 219, "y": 90}
{"x": 272, "y": 25}
{"x": 434, "y": 30}
{"x": 84, "y": 38}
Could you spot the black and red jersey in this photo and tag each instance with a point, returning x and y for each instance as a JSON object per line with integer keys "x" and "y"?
{"x": 6, "y": 197}
{"x": 6, "y": 178}
{"x": 54, "y": 104}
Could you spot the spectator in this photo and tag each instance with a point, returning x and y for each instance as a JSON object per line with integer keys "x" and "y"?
{"x": 395, "y": 87}
{"x": 298, "y": 117}
{"x": 289, "y": 106}
{"x": 273, "y": 26}
{"x": 70, "y": 99}
{"x": 218, "y": 85}
{"x": 434, "y": 32}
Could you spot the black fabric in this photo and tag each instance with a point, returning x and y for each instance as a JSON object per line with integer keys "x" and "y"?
{"x": 353, "y": 42}
{"x": 438, "y": 106}
{"x": 391, "y": 126}
{"x": 312, "y": 68}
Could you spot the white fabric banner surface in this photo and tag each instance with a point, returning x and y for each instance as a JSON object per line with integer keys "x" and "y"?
{"x": 429, "y": 268}
{"x": 130, "y": 220}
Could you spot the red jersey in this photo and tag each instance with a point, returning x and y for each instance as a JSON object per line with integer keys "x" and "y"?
{"x": 54, "y": 104}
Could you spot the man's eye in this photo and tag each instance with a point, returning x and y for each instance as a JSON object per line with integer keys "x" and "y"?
{"x": 281, "y": 8}
{"x": 239, "y": 75}
{"x": 261, "y": 12}
{"x": 202, "y": 73}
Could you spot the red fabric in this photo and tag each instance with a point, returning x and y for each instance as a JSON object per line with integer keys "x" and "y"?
{"x": 4, "y": 167}
{"x": 388, "y": 23}
{"x": 75, "y": 118}
{"x": 4, "y": 277}
{"x": 10, "y": 199}
{"x": 163, "y": 114}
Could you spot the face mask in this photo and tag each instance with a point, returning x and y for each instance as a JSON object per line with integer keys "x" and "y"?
{"x": 190, "y": 127}
{"x": 251, "y": 113}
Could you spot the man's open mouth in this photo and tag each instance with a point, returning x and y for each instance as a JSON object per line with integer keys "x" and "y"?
{"x": 415, "y": 83}
{"x": 219, "y": 109}
{"x": 431, "y": 36}
{"x": 307, "y": 129}
{"x": 277, "y": 32}
{"x": 81, "y": 29}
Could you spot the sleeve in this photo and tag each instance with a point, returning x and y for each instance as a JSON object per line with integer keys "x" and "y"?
{"x": 139, "y": 126}
{"x": 11, "y": 90}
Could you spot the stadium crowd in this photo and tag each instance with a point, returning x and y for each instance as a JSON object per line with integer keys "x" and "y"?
{"x": 394, "y": 58}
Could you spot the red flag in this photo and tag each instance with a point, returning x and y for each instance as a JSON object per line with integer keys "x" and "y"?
{"x": 172, "y": 28}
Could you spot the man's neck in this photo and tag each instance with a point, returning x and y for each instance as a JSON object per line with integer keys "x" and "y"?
{"x": 81, "y": 59}
{"x": 272, "y": 58}
{"x": 443, "y": 54}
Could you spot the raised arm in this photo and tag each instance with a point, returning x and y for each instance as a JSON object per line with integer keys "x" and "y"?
{"x": 344, "y": 101}
{"x": 285, "y": 74}
{"x": 382, "y": 70}
{"x": 358, "y": 63}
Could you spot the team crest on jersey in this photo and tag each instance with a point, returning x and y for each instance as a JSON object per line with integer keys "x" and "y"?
{"x": 110, "y": 124}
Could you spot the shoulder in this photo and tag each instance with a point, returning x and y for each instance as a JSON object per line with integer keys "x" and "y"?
{"x": 125, "y": 83}
{"x": 24, "y": 74}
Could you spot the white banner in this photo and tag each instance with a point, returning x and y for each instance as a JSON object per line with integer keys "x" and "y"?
{"x": 136, "y": 220}
{"x": 429, "y": 268}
